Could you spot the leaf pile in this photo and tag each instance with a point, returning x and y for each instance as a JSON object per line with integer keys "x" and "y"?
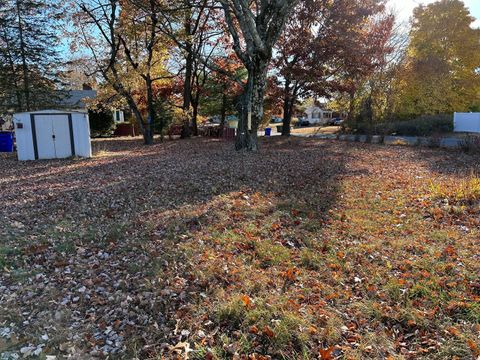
{"x": 190, "y": 250}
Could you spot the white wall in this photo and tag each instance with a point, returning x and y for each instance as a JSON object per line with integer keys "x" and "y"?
{"x": 24, "y": 135}
{"x": 81, "y": 134}
{"x": 316, "y": 115}
{"x": 467, "y": 122}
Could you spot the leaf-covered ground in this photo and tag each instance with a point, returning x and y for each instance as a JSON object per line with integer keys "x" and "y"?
{"x": 309, "y": 249}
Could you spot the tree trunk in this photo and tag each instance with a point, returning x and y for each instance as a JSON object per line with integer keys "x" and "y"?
{"x": 145, "y": 128}
{"x": 287, "y": 121}
{"x": 223, "y": 112}
{"x": 252, "y": 107}
{"x": 187, "y": 87}
{"x": 287, "y": 112}
{"x": 195, "y": 115}
{"x": 187, "y": 94}
{"x": 351, "y": 121}
{"x": 148, "y": 128}
{"x": 26, "y": 80}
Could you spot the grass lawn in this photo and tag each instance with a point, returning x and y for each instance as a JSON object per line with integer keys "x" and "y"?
{"x": 310, "y": 130}
{"x": 309, "y": 249}
{"x": 314, "y": 130}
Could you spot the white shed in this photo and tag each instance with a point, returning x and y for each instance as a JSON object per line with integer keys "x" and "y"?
{"x": 52, "y": 134}
{"x": 467, "y": 122}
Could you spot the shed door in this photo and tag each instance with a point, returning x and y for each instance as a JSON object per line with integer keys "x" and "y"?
{"x": 44, "y": 135}
{"x": 53, "y": 136}
{"x": 61, "y": 133}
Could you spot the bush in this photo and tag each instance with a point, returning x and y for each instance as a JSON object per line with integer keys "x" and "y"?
{"x": 471, "y": 143}
{"x": 101, "y": 122}
{"x": 165, "y": 116}
{"x": 425, "y": 125}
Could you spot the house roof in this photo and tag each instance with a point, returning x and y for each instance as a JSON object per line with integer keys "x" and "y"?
{"x": 315, "y": 107}
{"x": 75, "y": 99}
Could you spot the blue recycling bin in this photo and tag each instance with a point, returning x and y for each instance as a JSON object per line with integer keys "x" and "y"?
{"x": 6, "y": 141}
{"x": 268, "y": 131}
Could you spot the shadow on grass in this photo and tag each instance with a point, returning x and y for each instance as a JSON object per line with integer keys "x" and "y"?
{"x": 143, "y": 250}
{"x": 156, "y": 211}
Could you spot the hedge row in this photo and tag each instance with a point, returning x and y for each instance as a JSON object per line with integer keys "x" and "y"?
{"x": 426, "y": 125}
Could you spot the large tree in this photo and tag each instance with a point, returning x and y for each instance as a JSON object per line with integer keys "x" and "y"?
{"x": 128, "y": 51}
{"x": 375, "y": 99}
{"x": 28, "y": 53}
{"x": 255, "y": 27}
{"x": 323, "y": 41}
{"x": 441, "y": 72}
{"x": 193, "y": 26}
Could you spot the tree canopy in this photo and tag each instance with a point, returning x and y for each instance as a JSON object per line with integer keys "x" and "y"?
{"x": 29, "y": 54}
{"x": 212, "y": 57}
{"x": 441, "y": 67}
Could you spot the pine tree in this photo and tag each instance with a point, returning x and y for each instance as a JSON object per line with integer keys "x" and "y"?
{"x": 28, "y": 54}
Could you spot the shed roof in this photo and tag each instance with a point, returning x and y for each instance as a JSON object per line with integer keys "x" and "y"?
{"x": 52, "y": 112}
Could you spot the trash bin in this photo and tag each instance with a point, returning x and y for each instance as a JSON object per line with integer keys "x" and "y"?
{"x": 268, "y": 131}
{"x": 6, "y": 141}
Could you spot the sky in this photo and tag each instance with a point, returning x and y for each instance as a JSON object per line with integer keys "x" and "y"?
{"x": 405, "y": 8}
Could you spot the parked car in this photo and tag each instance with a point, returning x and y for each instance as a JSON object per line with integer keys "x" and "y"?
{"x": 277, "y": 120}
{"x": 303, "y": 122}
{"x": 338, "y": 122}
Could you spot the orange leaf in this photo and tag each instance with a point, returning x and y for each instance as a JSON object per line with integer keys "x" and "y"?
{"x": 289, "y": 274}
{"x": 268, "y": 332}
{"x": 326, "y": 354}
{"x": 246, "y": 300}
{"x": 253, "y": 330}
{"x": 474, "y": 347}
{"x": 454, "y": 331}
{"x": 450, "y": 251}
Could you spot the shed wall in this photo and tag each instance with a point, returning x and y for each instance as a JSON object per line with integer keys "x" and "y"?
{"x": 81, "y": 131}
{"x": 25, "y": 136}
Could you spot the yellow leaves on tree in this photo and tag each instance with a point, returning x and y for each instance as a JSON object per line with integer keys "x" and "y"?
{"x": 440, "y": 75}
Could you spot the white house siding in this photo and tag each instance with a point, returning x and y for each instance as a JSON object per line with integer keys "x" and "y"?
{"x": 316, "y": 115}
